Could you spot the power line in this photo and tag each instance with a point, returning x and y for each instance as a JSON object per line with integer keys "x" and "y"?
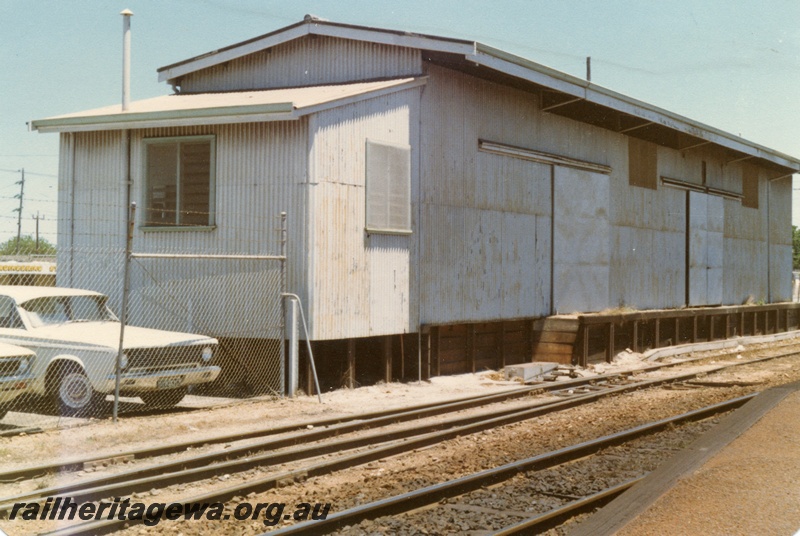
{"x": 30, "y": 173}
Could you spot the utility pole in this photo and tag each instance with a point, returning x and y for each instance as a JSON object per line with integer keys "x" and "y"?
{"x": 19, "y": 210}
{"x": 37, "y": 218}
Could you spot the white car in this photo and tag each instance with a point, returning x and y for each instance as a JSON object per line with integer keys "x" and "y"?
{"x": 75, "y": 337}
{"x": 15, "y": 374}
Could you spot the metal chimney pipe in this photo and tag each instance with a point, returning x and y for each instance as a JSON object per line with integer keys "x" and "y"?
{"x": 126, "y": 58}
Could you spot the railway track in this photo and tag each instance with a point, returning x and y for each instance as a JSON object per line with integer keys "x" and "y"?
{"x": 349, "y": 451}
{"x": 462, "y": 494}
{"x": 346, "y": 423}
{"x": 322, "y": 440}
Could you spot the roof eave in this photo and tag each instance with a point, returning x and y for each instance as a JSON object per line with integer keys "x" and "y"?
{"x": 510, "y": 64}
{"x": 175, "y": 71}
{"x": 283, "y": 111}
{"x": 200, "y": 116}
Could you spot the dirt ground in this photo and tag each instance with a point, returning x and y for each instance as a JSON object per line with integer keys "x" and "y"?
{"x": 401, "y": 473}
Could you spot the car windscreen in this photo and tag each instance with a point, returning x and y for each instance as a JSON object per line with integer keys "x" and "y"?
{"x": 53, "y": 310}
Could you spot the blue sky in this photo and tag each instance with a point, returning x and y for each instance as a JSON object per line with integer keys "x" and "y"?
{"x": 732, "y": 65}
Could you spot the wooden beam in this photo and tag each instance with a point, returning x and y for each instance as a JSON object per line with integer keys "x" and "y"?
{"x": 610, "y": 349}
{"x": 387, "y": 358}
{"x": 657, "y": 334}
{"x": 351, "y": 363}
{"x": 502, "y": 344}
{"x": 403, "y": 358}
{"x": 585, "y": 352}
{"x": 471, "y": 346}
{"x": 309, "y": 373}
{"x": 435, "y": 333}
{"x": 635, "y": 336}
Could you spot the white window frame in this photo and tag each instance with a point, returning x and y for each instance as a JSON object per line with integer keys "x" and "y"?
{"x": 167, "y": 140}
{"x": 381, "y": 223}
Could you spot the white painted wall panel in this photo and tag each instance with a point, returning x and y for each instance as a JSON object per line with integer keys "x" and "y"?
{"x": 349, "y": 295}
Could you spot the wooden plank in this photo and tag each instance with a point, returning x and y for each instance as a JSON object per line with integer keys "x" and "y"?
{"x": 556, "y": 324}
{"x": 554, "y": 336}
{"x": 635, "y": 336}
{"x": 552, "y": 348}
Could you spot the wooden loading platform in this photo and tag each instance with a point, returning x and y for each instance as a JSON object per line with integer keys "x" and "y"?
{"x": 566, "y": 339}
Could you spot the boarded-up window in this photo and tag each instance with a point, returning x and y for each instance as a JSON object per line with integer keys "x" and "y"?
{"x": 388, "y": 188}
{"x": 750, "y": 187}
{"x": 179, "y": 181}
{"x": 642, "y": 164}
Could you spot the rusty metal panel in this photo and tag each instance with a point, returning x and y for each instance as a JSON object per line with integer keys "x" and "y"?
{"x": 581, "y": 241}
{"x": 360, "y": 284}
{"x": 311, "y": 60}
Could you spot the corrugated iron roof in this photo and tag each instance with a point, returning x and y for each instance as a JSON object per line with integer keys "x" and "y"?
{"x": 218, "y": 108}
{"x": 568, "y": 95}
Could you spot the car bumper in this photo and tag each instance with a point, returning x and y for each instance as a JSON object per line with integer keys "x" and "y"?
{"x": 157, "y": 381}
{"x": 13, "y": 386}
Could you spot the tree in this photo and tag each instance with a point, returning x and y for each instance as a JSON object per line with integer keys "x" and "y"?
{"x": 795, "y": 248}
{"x": 27, "y": 246}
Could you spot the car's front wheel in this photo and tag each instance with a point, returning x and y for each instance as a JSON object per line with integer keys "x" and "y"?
{"x": 164, "y": 399}
{"x": 74, "y": 394}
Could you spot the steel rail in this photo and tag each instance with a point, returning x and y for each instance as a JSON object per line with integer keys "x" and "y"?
{"x": 75, "y": 464}
{"x": 397, "y": 447}
{"x": 198, "y": 467}
{"x": 558, "y": 515}
{"x": 459, "y": 486}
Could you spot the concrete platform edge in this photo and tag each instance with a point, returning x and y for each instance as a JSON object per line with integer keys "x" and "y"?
{"x": 622, "y": 510}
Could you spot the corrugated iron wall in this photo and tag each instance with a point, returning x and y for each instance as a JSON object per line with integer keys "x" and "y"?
{"x": 260, "y": 172}
{"x": 464, "y": 225}
{"x": 312, "y": 60}
{"x": 361, "y": 284}
{"x": 780, "y": 232}
{"x": 486, "y": 219}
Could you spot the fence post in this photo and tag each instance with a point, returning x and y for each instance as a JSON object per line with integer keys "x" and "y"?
{"x": 124, "y": 312}
{"x": 284, "y": 238}
{"x": 293, "y": 334}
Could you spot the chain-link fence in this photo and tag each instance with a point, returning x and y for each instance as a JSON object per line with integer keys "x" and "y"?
{"x": 121, "y": 330}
